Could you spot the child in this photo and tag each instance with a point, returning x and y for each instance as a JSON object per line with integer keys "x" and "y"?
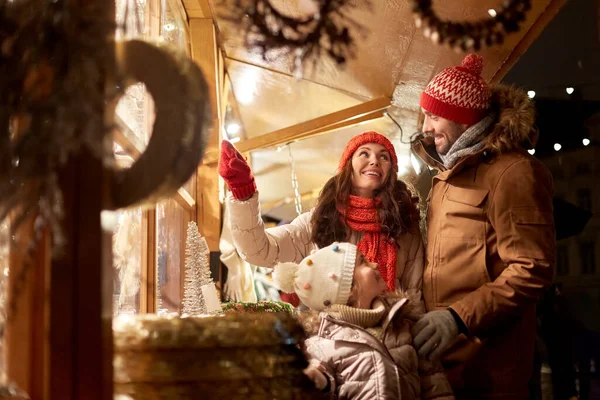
{"x": 363, "y": 348}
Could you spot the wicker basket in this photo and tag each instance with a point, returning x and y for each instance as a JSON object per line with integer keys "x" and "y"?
{"x": 233, "y": 356}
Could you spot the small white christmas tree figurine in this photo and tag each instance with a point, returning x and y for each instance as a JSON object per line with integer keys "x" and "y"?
{"x": 199, "y": 296}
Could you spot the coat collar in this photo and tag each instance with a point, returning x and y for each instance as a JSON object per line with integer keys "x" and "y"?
{"x": 425, "y": 150}
{"x": 335, "y": 329}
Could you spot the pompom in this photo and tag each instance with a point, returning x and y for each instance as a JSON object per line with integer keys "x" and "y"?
{"x": 284, "y": 275}
{"x": 473, "y": 63}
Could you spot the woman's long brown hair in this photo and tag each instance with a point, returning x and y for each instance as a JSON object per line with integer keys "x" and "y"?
{"x": 398, "y": 212}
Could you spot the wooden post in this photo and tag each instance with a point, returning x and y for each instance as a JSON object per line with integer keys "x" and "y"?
{"x": 148, "y": 276}
{"x": 208, "y": 207}
{"x": 80, "y": 278}
{"x": 80, "y": 359}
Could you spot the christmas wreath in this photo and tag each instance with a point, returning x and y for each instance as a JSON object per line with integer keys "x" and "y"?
{"x": 326, "y": 32}
{"x": 470, "y": 36}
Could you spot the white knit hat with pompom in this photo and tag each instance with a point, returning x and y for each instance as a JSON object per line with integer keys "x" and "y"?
{"x": 321, "y": 279}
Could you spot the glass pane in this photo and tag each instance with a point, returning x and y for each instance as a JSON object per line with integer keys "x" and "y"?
{"x": 127, "y": 262}
{"x": 173, "y": 27}
{"x": 130, "y": 16}
{"x": 171, "y": 223}
{"x": 137, "y": 19}
{"x": 136, "y": 111}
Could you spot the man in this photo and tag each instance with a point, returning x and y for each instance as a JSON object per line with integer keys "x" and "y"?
{"x": 490, "y": 239}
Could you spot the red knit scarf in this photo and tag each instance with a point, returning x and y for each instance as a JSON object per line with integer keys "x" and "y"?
{"x": 376, "y": 247}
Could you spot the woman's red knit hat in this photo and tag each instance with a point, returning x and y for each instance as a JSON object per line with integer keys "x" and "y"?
{"x": 459, "y": 93}
{"x": 364, "y": 138}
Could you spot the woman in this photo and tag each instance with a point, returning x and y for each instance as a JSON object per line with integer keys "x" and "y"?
{"x": 364, "y": 203}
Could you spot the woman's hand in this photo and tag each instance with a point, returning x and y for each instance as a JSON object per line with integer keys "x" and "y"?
{"x": 236, "y": 172}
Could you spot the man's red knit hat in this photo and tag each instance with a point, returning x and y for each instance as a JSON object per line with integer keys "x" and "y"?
{"x": 459, "y": 93}
{"x": 364, "y": 138}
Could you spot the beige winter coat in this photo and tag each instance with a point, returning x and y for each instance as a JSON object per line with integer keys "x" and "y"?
{"x": 291, "y": 243}
{"x": 361, "y": 366}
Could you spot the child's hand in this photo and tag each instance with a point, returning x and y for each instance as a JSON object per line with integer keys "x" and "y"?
{"x": 319, "y": 379}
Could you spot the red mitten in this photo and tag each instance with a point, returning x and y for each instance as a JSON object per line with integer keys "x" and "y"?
{"x": 236, "y": 172}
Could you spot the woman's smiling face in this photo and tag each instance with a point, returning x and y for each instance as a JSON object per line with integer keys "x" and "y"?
{"x": 371, "y": 165}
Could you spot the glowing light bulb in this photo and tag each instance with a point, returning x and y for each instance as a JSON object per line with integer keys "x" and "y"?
{"x": 557, "y": 146}
{"x": 233, "y": 128}
{"x": 531, "y": 94}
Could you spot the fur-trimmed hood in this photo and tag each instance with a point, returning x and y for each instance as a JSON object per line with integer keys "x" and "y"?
{"x": 515, "y": 126}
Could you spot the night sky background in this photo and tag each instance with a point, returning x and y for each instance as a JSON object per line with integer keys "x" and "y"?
{"x": 566, "y": 54}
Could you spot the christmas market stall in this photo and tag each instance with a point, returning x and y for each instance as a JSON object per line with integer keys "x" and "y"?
{"x": 119, "y": 278}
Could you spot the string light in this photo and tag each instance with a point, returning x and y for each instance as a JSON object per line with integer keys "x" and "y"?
{"x": 492, "y": 13}
{"x": 531, "y": 94}
{"x": 297, "y": 196}
{"x": 586, "y": 141}
{"x": 557, "y": 146}
{"x": 531, "y": 151}
{"x": 570, "y": 90}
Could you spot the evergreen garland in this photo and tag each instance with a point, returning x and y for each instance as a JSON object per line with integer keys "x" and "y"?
{"x": 470, "y": 36}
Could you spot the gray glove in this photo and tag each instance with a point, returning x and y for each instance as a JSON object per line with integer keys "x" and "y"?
{"x": 433, "y": 333}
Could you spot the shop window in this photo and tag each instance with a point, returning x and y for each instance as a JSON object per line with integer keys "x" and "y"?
{"x": 148, "y": 244}
{"x": 171, "y": 226}
{"x": 562, "y": 260}
{"x": 588, "y": 258}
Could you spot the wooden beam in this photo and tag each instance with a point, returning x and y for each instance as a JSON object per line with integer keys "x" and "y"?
{"x": 127, "y": 139}
{"x": 208, "y": 206}
{"x": 306, "y": 129}
{"x": 185, "y": 200}
{"x": 347, "y": 123}
{"x": 528, "y": 38}
{"x": 225, "y": 87}
{"x": 331, "y": 122}
{"x": 197, "y": 9}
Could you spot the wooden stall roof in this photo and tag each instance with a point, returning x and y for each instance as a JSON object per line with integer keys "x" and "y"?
{"x": 394, "y": 63}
